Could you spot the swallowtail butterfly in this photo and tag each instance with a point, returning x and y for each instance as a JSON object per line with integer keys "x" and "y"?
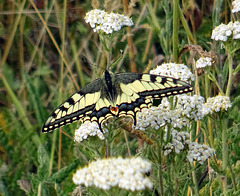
{"x": 118, "y": 95}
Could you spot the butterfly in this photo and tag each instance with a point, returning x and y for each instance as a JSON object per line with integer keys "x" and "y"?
{"x": 114, "y": 95}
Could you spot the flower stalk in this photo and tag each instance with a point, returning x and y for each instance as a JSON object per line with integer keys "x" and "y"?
{"x": 224, "y": 153}
{"x": 230, "y": 71}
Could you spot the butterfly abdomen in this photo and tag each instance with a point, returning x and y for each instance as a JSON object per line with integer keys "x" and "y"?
{"x": 110, "y": 90}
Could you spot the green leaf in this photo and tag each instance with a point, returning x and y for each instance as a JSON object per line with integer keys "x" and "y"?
{"x": 217, "y": 12}
{"x": 44, "y": 70}
{"x": 63, "y": 173}
{"x": 225, "y": 73}
{"x": 237, "y": 69}
{"x": 3, "y": 187}
{"x": 49, "y": 189}
{"x": 210, "y": 77}
{"x": 114, "y": 64}
{"x": 38, "y": 110}
{"x": 43, "y": 160}
{"x": 236, "y": 101}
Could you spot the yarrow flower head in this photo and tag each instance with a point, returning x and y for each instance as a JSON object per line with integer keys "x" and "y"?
{"x": 178, "y": 71}
{"x": 217, "y": 104}
{"x": 88, "y": 129}
{"x": 179, "y": 141}
{"x": 156, "y": 117}
{"x": 203, "y": 62}
{"x": 187, "y": 108}
{"x": 236, "y": 6}
{"x": 199, "y": 152}
{"x": 100, "y": 20}
{"x": 191, "y": 106}
{"x": 126, "y": 173}
{"x": 222, "y": 32}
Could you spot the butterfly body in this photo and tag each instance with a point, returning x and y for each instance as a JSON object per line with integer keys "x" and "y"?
{"x": 112, "y": 95}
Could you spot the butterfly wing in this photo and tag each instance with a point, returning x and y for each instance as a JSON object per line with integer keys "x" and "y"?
{"x": 78, "y": 106}
{"x": 137, "y": 90}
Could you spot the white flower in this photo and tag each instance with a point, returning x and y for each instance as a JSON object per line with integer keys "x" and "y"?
{"x": 196, "y": 152}
{"x": 217, "y": 104}
{"x": 156, "y": 117}
{"x": 199, "y": 152}
{"x": 203, "y": 62}
{"x": 178, "y": 71}
{"x": 179, "y": 141}
{"x": 191, "y": 106}
{"x": 88, "y": 129}
{"x": 222, "y": 32}
{"x": 187, "y": 108}
{"x": 236, "y": 6}
{"x": 100, "y": 20}
{"x": 126, "y": 173}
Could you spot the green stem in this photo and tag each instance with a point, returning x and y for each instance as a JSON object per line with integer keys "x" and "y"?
{"x": 160, "y": 173}
{"x": 224, "y": 154}
{"x": 233, "y": 178}
{"x": 109, "y": 51}
{"x": 11, "y": 36}
{"x": 210, "y": 133}
{"x": 54, "y": 138}
{"x": 195, "y": 182}
{"x": 171, "y": 101}
{"x": 206, "y": 86}
{"x": 185, "y": 25}
{"x": 40, "y": 38}
{"x": 39, "y": 189}
{"x": 224, "y": 125}
{"x": 212, "y": 77}
{"x": 175, "y": 29}
{"x": 230, "y": 71}
{"x": 78, "y": 64}
{"x": 17, "y": 104}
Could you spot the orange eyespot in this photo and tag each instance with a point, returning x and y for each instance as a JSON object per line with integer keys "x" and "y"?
{"x": 114, "y": 110}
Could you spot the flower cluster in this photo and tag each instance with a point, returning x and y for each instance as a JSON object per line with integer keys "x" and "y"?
{"x": 157, "y": 117}
{"x": 203, "y": 62}
{"x": 222, "y": 32}
{"x": 100, "y": 20}
{"x": 88, "y": 129}
{"x": 179, "y": 141}
{"x": 191, "y": 106}
{"x": 125, "y": 173}
{"x": 187, "y": 108}
{"x": 217, "y": 104}
{"x": 236, "y": 6}
{"x": 178, "y": 71}
{"x": 199, "y": 152}
{"x": 196, "y": 152}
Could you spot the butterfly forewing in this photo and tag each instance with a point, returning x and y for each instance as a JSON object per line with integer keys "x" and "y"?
{"x": 75, "y": 107}
{"x": 152, "y": 86}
